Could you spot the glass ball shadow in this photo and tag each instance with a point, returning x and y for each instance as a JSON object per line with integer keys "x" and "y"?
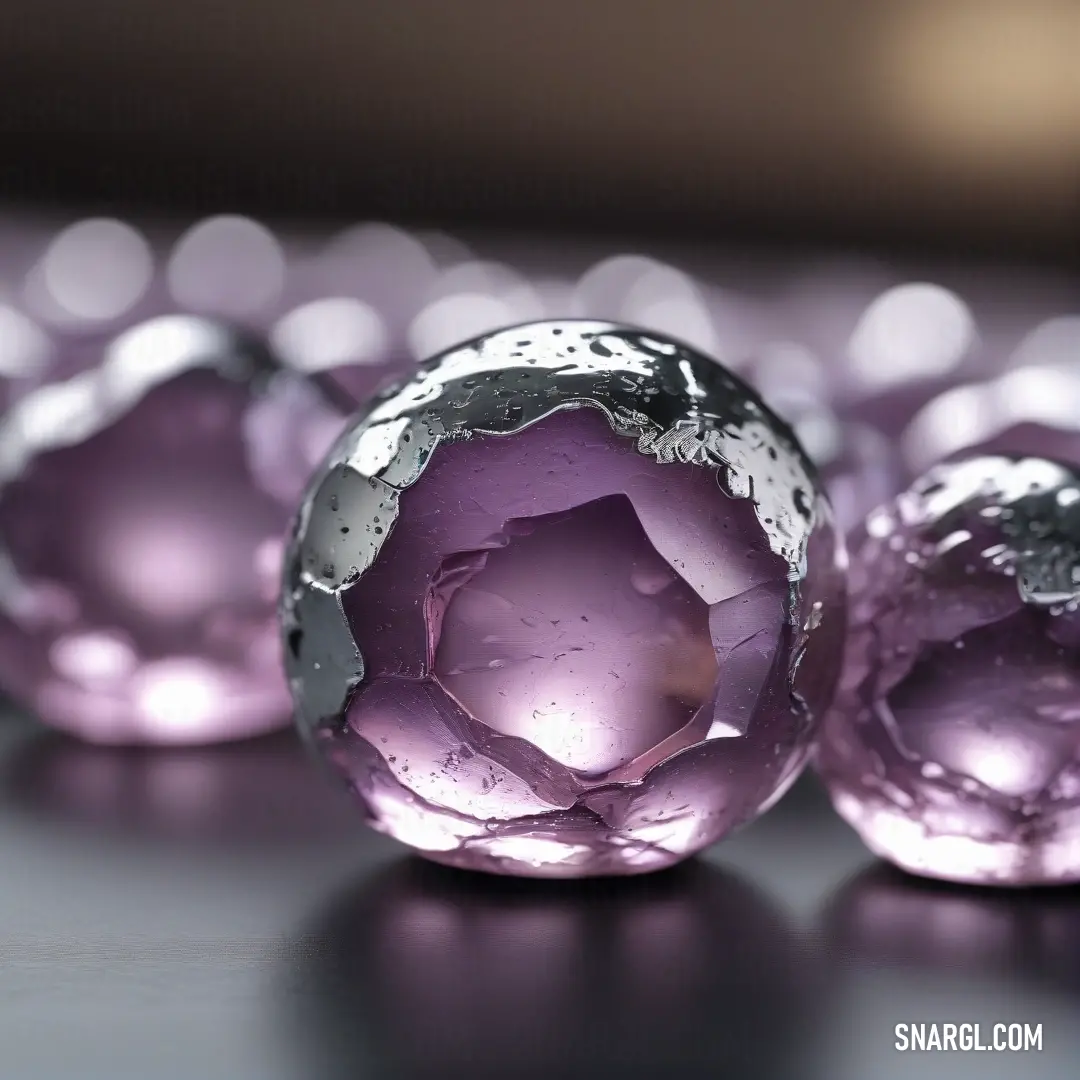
{"x": 434, "y": 971}
{"x": 254, "y": 794}
{"x": 885, "y": 918}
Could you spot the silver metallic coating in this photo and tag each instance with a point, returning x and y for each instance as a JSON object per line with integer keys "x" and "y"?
{"x": 1035, "y": 505}
{"x": 70, "y": 411}
{"x": 679, "y": 405}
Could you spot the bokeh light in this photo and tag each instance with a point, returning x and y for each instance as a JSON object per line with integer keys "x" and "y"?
{"x": 329, "y": 333}
{"x": 93, "y": 271}
{"x": 25, "y": 349}
{"x": 226, "y": 265}
{"x": 911, "y": 332}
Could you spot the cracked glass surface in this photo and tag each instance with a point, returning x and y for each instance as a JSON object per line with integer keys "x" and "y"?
{"x": 567, "y": 602}
{"x": 953, "y": 746}
{"x": 144, "y": 503}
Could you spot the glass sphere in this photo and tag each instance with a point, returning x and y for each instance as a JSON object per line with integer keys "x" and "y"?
{"x": 566, "y": 602}
{"x": 144, "y": 502}
{"x": 953, "y": 746}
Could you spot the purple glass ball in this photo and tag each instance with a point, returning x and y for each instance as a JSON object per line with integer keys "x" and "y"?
{"x": 567, "y": 602}
{"x": 953, "y": 746}
{"x": 144, "y": 504}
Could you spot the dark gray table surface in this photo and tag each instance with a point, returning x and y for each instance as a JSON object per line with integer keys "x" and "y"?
{"x": 222, "y": 915}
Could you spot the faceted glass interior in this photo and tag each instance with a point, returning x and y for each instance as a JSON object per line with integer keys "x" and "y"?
{"x": 577, "y": 659}
{"x": 576, "y": 635}
{"x": 996, "y": 705}
{"x": 145, "y": 559}
{"x": 953, "y": 747}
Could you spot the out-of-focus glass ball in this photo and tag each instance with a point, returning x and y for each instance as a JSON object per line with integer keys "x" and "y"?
{"x": 143, "y": 505}
{"x": 952, "y": 745}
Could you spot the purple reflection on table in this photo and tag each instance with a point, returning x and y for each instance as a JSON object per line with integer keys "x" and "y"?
{"x": 430, "y": 971}
{"x": 254, "y": 793}
{"x": 884, "y": 917}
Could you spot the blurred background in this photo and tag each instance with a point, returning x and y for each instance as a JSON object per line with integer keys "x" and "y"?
{"x": 871, "y": 210}
{"x": 953, "y": 125}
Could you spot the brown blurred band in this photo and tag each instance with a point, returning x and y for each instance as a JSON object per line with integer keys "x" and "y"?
{"x": 952, "y": 123}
